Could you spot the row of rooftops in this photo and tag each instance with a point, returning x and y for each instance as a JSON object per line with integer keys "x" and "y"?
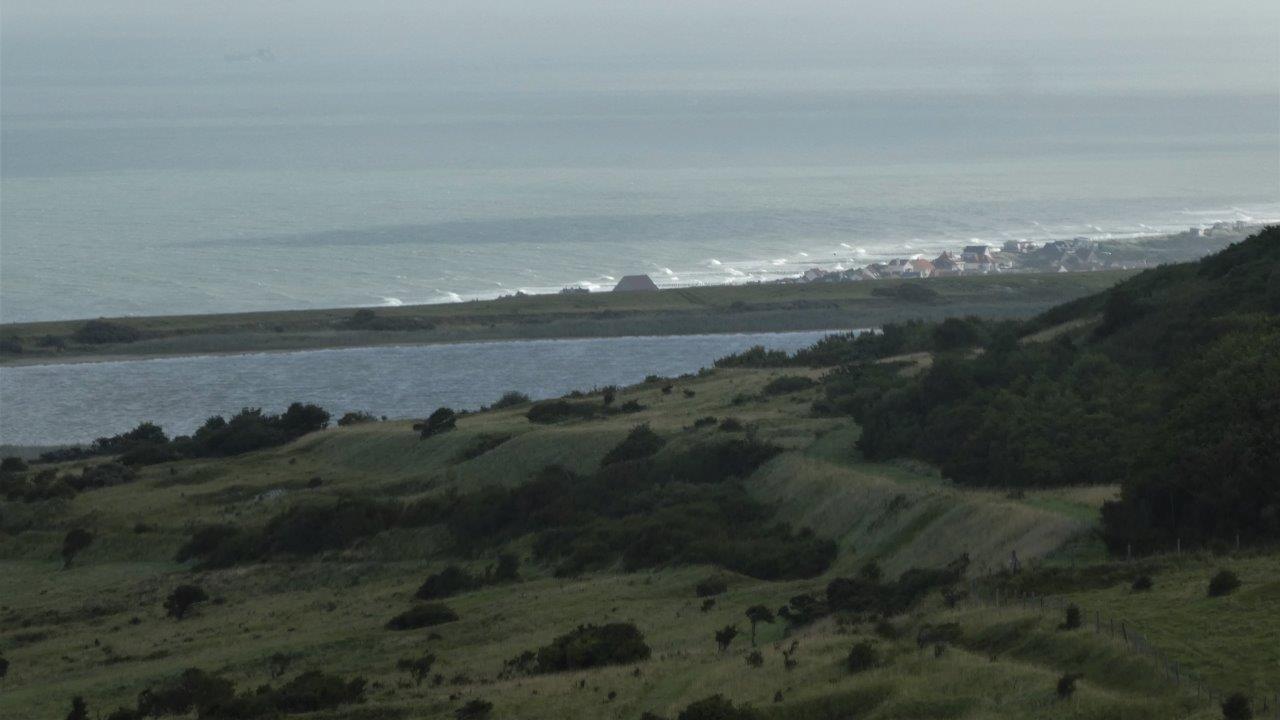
{"x": 1015, "y": 255}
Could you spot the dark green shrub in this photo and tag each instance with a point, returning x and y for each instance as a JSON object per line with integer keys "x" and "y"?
{"x": 755, "y": 659}
{"x": 510, "y": 399}
{"x": 440, "y": 421}
{"x": 446, "y": 583}
{"x": 887, "y": 630}
{"x": 4, "y": 667}
{"x": 640, "y": 443}
{"x": 730, "y": 424}
{"x": 310, "y": 529}
{"x": 591, "y": 646}
{"x": 508, "y": 568}
{"x": 702, "y": 422}
{"x": 785, "y": 384}
{"x": 630, "y": 406}
{"x": 717, "y": 707}
{"x": 1142, "y": 583}
{"x": 1223, "y": 583}
{"x": 862, "y": 656}
{"x": 102, "y": 332}
{"x": 181, "y": 600}
{"x": 75, "y": 541}
{"x": 1067, "y": 685}
{"x": 725, "y": 636}
{"x": 939, "y": 634}
{"x": 11, "y": 345}
{"x": 314, "y": 690}
{"x": 609, "y": 394}
{"x": 424, "y": 615}
{"x": 756, "y": 356}
{"x": 481, "y": 445}
{"x": 1071, "y": 618}
{"x": 871, "y": 572}
{"x": 709, "y": 587}
{"x": 356, "y": 418}
{"x": 13, "y": 464}
{"x": 79, "y": 711}
{"x": 1237, "y": 707}
{"x": 193, "y": 689}
{"x": 102, "y": 475}
{"x": 554, "y": 411}
{"x": 757, "y": 614}
{"x": 475, "y": 709}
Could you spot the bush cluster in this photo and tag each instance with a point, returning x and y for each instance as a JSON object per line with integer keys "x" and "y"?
{"x": 422, "y": 615}
{"x": 687, "y": 506}
{"x": 211, "y": 696}
{"x": 589, "y": 646}
{"x": 640, "y": 443}
{"x": 48, "y": 484}
{"x": 103, "y": 332}
{"x": 785, "y": 384}
{"x": 248, "y": 430}
{"x": 454, "y": 580}
{"x": 301, "y": 530}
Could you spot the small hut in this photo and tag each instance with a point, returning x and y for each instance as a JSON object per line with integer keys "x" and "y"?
{"x": 635, "y": 283}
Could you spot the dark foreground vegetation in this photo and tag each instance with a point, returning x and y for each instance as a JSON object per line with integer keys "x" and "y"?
{"x": 1167, "y": 384}
{"x": 212, "y": 697}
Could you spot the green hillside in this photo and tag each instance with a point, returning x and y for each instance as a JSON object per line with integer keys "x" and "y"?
{"x": 585, "y": 557}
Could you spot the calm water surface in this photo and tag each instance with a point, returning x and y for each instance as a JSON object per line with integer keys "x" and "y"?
{"x": 49, "y": 404}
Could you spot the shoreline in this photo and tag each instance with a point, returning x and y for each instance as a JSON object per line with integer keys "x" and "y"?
{"x": 119, "y": 358}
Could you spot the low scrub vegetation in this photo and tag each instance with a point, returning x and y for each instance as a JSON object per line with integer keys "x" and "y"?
{"x": 211, "y": 696}
{"x": 421, "y": 616}
{"x": 785, "y": 384}
{"x": 454, "y": 580}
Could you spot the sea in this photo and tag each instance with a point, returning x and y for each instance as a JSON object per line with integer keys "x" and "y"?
{"x": 248, "y": 188}
{"x": 251, "y": 187}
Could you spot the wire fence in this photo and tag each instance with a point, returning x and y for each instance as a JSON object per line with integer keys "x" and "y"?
{"x": 1123, "y": 631}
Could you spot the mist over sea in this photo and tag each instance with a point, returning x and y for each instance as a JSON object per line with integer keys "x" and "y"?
{"x": 251, "y": 188}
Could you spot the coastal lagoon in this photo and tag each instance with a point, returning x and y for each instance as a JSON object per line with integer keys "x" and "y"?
{"x": 77, "y": 402}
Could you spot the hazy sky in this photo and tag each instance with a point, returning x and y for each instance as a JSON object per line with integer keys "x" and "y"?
{"x": 1143, "y": 46}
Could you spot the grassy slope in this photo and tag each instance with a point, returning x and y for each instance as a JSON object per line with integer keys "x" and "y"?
{"x": 772, "y": 307}
{"x": 70, "y": 632}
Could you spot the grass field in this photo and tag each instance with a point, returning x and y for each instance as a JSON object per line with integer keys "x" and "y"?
{"x": 99, "y": 630}
{"x": 718, "y": 309}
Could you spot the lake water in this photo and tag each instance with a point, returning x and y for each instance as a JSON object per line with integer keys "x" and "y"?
{"x": 52, "y": 404}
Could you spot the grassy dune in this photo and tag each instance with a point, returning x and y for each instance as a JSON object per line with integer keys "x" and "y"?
{"x": 719, "y": 309}
{"x": 99, "y": 630}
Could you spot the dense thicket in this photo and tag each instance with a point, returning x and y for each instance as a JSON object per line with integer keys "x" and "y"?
{"x": 679, "y": 507}
{"x": 248, "y": 430}
{"x": 1167, "y": 384}
{"x": 213, "y": 697}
